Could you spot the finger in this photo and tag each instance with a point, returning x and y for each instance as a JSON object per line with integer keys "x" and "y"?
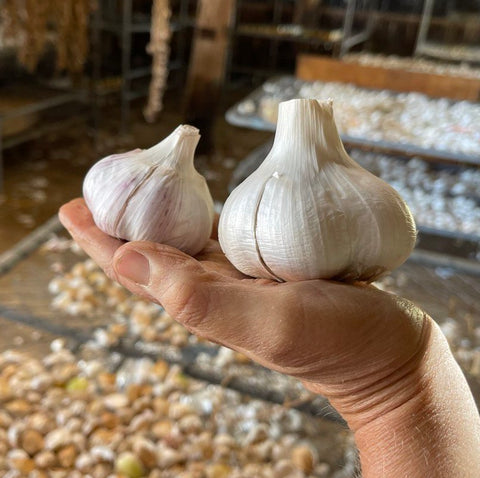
{"x": 79, "y": 222}
{"x": 221, "y": 309}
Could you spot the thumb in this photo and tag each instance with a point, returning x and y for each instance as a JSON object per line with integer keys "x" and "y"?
{"x": 165, "y": 275}
{"x": 205, "y": 302}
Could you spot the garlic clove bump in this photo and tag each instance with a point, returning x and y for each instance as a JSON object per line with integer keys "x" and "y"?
{"x": 153, "y": 194}
{"x": 310, "y": 212}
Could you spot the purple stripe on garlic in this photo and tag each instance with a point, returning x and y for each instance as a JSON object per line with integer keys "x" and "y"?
{"x": 153, "y": 194}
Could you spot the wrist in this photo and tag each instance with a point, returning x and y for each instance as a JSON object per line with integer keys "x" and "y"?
{"x": 376, "y": 397}
{"x": 435, "y": 431}
{"x": 387, "y": 381}
{"x": 419, "y": 421}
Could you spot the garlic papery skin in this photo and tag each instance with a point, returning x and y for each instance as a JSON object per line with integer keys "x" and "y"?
{"x": 310, "y": 212}
{"x": 153, "y": 194}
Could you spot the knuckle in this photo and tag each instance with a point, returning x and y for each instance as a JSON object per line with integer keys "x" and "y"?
{"x": 281, "y": 349}
{"x": 294, "y": 347}
{"x": 191, "y": 304}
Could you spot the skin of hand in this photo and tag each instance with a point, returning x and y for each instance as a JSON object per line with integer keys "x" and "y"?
{"x": 381, "y": 361}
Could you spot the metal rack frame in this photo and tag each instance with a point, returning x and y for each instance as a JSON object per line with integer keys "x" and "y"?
{"x": 123, "y": 25}
{"x": 340, "y": 40}
{"x": 349, "y": 39}
{"x": 441, "y": 51}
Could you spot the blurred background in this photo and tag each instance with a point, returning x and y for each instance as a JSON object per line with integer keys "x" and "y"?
{"x": 121, "y": 390}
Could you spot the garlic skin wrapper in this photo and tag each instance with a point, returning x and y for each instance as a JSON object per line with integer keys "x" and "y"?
{"x": 310, "y": 212}
{"x": 153, "y": 194}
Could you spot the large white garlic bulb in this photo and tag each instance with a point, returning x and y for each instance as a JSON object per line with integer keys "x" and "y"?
{"x": 310, "y": 212}
{"x": 153, "y": 194}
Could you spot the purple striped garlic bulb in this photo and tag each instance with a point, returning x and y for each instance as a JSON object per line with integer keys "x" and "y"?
{"x": 153, "y": 194}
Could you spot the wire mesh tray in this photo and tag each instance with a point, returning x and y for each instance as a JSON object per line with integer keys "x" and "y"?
{"x": 25, "y": 273}
{"x": 442, "y": 290}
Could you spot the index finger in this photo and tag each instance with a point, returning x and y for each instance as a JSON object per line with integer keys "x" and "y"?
{"x": 101, "y": 247}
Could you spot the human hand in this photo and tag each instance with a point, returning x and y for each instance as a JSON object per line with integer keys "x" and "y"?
{"x": 349, "y": 342}
{"x": 380, "y": 360}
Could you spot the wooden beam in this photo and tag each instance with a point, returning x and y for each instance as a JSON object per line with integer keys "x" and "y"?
{"x": 313, "y": 67}
{"x": 207, "y": 65}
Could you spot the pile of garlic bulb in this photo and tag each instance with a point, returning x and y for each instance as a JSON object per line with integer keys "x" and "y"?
{"x": 418, "y": 64}
{"x": 445, "y": 199}
{"x": 308, "y": 212}
{"x": 94, "y": 414}
{"x": 379, "y": 115}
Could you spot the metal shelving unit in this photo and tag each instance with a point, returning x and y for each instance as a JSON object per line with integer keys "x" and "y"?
{"x": 125, "y": 23}
{"x": 446, "y": 51}
{"x": 339, "y": 40}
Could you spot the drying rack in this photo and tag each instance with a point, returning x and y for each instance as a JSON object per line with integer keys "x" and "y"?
{"x": 252, "y": 119}
{"x": 278, "y": 31}
{"x": 125, "y": 24}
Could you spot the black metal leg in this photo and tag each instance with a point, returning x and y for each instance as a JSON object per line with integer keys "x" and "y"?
{"x": 96, "y": 71}
{"x": 126, "y": 53}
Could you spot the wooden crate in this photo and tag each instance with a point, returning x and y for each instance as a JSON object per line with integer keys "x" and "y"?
{"x": 314, "y": 67}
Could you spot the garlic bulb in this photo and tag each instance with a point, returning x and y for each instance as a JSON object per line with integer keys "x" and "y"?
{"x": 153, "y": 194}
{"x": 310, "y": 212}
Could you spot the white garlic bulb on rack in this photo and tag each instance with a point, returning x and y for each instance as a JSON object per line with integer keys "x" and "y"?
{"x": 311, "y": 212}
{"x": 154, "y": 194}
